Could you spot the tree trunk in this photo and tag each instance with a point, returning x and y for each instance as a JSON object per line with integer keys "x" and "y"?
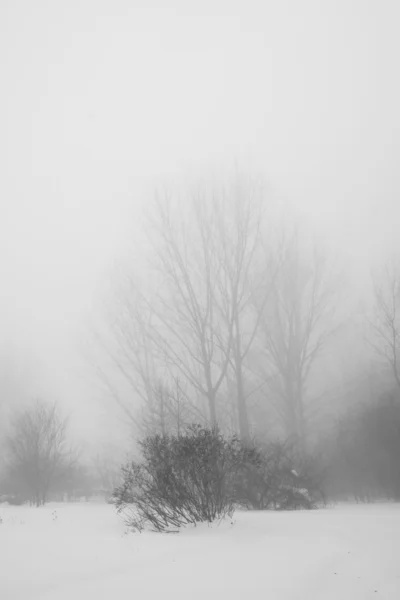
{"x": 212, "y": 408}
{"x": 295, "y": 426}
{"x": 244, "y": 428}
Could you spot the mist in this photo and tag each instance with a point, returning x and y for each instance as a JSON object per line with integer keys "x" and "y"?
{"x": 200, "y": 299}
{"x": 103, "y": 102}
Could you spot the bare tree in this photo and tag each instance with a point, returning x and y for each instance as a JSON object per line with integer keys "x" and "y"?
{"x": 132, "y": 352}
{"x": 122, "y": 354}
{"x": 140, "y": 369}
{"x": 385, "y": 323}
{"x": 296, "y": 325}
{"x": 213, "y": 263}
{"x": 197, "y": 321}
{"x": 37, "y": 449}
{"x": 249, "y": 265}
{"x": 191, "y": 338}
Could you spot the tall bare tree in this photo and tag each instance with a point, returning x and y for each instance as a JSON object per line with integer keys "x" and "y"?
{"x": 296, "y": 325}
{"x": 187, "y": 330}
{"x": 249, "y": 264}
{"x": 196, "y": 319}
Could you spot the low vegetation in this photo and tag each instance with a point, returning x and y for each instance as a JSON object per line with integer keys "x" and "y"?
{"x": 202, "y": 476}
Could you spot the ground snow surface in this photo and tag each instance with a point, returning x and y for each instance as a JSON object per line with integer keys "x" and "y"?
{"x": 83, "y": 552}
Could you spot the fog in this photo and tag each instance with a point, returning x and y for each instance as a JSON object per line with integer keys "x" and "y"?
{"x": 101, "y": 101}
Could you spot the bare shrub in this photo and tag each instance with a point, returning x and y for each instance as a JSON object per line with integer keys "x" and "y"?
{"x": 182, "y": 479}
{"x": 201, "y": 476}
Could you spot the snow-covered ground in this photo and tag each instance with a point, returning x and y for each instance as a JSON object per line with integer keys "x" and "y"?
{"x": 82, "y": 551}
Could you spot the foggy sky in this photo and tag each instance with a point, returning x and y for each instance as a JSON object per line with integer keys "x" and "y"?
{"x": 100, "y": 100}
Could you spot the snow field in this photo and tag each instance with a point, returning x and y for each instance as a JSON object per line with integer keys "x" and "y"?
{"x": 82, "y": 551}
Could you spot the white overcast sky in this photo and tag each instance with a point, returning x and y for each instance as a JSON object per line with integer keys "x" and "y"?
{"x": 102, "y": 98}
